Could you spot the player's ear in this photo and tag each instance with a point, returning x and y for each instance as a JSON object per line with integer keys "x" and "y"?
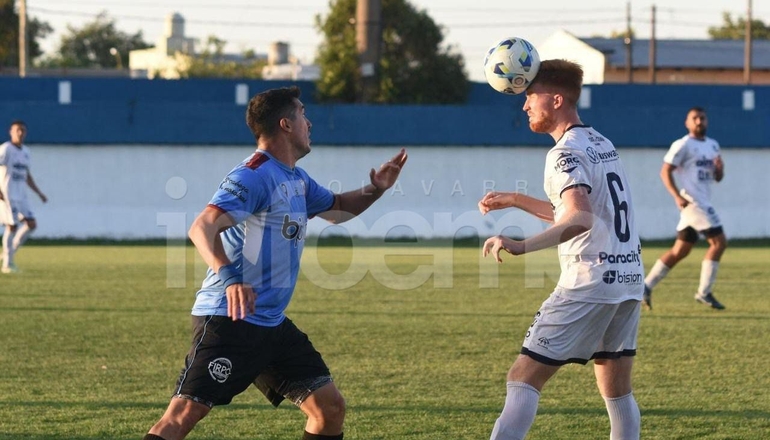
{"x": 285, "y": 124}
{"x": 558, "y": 101}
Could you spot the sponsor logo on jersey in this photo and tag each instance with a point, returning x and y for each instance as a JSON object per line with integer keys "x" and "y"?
{"x": 704, "y": 163}
{"x": 593, "y": 156}
{"x": 293, "y": 229}
{"x": 543, "y": 342}
{"x": 631, "y": 257}
{"x": 220, "y": 369}
{"x": 235, "y": 188}
{"x": 566, "y": 163}
{"x": 613, "y": 276}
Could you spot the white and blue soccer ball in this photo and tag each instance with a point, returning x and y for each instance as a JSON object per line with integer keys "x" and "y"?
{"x": 511, "y": 65}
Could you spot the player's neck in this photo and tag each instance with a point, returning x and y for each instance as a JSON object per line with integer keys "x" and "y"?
{"x": 279, "y": 152}
{"x": 562, "y": 126}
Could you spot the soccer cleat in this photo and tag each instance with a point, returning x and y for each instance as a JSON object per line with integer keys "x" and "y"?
{"x": 647, "y": 298}
{"x": 709, "y": 300}
{"x": 10, "y": 269}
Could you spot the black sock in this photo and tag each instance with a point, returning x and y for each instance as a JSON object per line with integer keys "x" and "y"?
{"x": 309, "y": 436}
{"x": 152, "y": 437}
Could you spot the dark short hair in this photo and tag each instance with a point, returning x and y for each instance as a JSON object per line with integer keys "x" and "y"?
{"x": 266, "y": 109}
{"x": 18, "y": 122}
{"x": 562, "y": 76}
{"x": 696, "y": 109}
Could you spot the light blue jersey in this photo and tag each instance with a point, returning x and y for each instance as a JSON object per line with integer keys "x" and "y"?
{"x": 270, "y": 204}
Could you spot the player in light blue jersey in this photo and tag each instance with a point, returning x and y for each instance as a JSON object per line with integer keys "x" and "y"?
{"x": 593, "y": 313}
{"x": 251, "y": 236}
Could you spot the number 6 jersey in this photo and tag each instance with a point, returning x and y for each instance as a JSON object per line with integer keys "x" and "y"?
{"x": 603, "y": 264}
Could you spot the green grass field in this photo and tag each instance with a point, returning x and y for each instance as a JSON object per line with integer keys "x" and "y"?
{"x": 92, "y": 340}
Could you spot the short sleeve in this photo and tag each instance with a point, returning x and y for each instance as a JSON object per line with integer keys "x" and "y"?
{"x": 317, "y": 198}
{"x": 566, "y": 169}
{"x": 4, "y": 154}
{"x": 241, "y": 194}
{"x": 677, "y": 154}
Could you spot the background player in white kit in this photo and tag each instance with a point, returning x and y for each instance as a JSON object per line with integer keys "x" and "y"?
{"x": 593, "y": 312}
{"x": 14, "y": 205}
{"x": 695, "y": 162}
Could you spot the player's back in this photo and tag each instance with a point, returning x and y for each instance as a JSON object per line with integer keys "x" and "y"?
{"x": 609, "y": 254}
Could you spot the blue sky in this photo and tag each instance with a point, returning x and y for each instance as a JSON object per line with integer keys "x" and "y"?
{"x": 470, "y": 27}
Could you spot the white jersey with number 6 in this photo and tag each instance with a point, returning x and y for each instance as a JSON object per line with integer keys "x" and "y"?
{"x": 603, "y": 264}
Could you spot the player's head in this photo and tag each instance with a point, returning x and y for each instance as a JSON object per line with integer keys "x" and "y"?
{"x": 696, "y": 122}
{"x": 267, "y": 109}
{"x": 553, "y": 94}
{"x": 18, "y": 132}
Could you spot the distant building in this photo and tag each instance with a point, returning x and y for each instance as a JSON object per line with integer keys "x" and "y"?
{"x": 676, "y": 61}
{"x": 161, "y": 60}
{"x": 281, "y": 66}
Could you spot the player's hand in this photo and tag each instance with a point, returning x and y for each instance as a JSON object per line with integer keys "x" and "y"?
{"x": 499, "y": 243}
{"x": 681, "y": 202}
{"x": 386, "y": 176}
{"x": 495, "y": 200}
{"x": 719, "y": 168}
{"x": 43, "y": 197}
{"x": 241, "y": 301}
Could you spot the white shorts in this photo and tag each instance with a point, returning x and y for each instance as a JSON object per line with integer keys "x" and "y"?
{"x": 14, "y": 211}
{"x": 566, "y": 331}
{"x": 700, "y": 218}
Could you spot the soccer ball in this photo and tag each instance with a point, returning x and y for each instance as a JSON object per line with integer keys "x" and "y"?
{"x": 511, "y": 65}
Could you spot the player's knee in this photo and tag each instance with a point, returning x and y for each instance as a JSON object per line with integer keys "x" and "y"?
{"x": 333, "y": 412}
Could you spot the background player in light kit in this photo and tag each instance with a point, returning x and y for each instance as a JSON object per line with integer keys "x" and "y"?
{"x": 15, "y": 210}
{"x": 694, "y": 163}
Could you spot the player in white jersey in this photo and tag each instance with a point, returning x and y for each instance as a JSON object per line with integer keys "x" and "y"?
{"x": 694, "y": 163}
{"x": 593, "y": 313}
{"x": 14, "y": 205}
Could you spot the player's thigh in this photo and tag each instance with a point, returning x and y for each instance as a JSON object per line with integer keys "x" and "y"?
{"x": 296, "y": 370}
{"x": 224, "y": 359}
{"x": 567, "y": 331}
{"x": 613, "y": 376}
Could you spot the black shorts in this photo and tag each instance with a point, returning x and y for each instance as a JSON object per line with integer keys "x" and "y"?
{"x": 227, "y": 356}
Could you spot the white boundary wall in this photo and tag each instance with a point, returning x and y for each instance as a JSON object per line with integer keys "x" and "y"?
{"x": 139, "y": 191}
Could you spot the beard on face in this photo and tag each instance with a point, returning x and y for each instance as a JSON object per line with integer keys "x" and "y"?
{"x": 699, "y": 131}
{"x": 543, "y": 124}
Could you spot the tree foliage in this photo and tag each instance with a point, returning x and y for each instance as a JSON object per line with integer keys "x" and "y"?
{"x": 736, "y": 30}
{"x": 9, "y": 35}
{"x": 413, "y": 67}
{"x": 212, "y": 62}
{"x": 89, "y": 46}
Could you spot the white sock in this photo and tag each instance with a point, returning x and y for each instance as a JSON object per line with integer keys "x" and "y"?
{"x": 656, "y": 274}
{"x": 518, "y": 413}
{"x": 625, "y": 419}
{"x": 8, "y": 249}
{"x": 21, "y": 236}
{"x": 708, "y": 275}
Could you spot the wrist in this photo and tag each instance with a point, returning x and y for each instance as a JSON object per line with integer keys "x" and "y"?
{"x": 229, "y": 274}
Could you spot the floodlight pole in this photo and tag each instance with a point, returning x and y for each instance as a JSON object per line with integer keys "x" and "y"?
{"x": 22, "y": 38}
{"x": 747, "y": 48}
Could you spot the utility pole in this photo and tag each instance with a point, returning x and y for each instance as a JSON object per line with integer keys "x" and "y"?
{"x": 368, "y": 36}
{"x": 628, "y": 41}
{"x": 653, "y": 42}
{"x": 23, "y": 38}
{"x": 747, "y": 48}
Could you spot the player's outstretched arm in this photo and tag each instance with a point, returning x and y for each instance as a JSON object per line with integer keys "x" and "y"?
{"x": 204, "y": 234}
{"x": 501, "y": 200}
{"x": 352, "y": 203}
{"x": 578, "y": 218}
